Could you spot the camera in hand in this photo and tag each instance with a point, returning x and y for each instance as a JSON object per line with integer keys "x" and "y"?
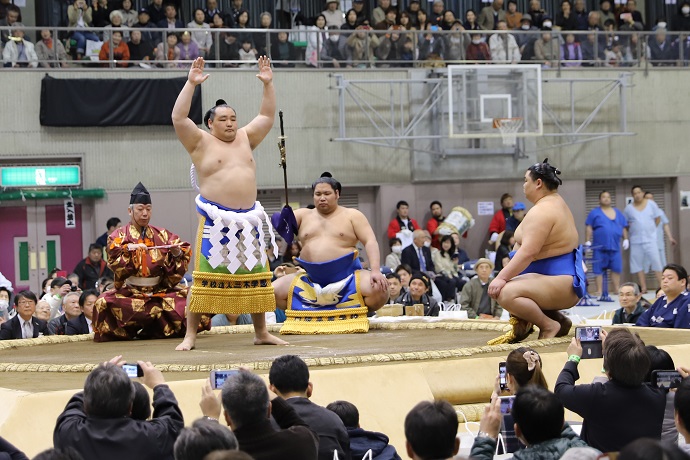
{"x": 666, "y": 379}
{"x": 590, "y": 339}
{"x": 133, "y": 370}
{"x": 507, "y": 404}
{"x": 502, "y": 377}
{"x": 218, "y": 377}
{"x": 589, "y": 333}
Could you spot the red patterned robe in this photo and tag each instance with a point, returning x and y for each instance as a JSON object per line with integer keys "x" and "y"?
{"x": 133, "y": 310}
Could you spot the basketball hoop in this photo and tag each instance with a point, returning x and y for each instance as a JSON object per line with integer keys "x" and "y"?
{"x": 509, "y": 128}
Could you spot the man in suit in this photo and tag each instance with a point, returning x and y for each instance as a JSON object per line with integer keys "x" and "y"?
{"x": 171, "y": 21}
{"x": 489, "y": 16}
{"x": 97, "y": 423}
{"x": 247, "y": 410}
{"x": 24, "y": 325}
{"x": 289, "y": 379}
{"x": 82, "y": 323}
{"x": 418, "y": 254}
{"x": 70, "y": 306}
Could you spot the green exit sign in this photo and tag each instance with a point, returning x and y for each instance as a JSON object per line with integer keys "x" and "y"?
{"x": 40, "y": 176}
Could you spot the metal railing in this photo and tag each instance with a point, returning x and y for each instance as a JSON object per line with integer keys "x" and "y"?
{"x": 366, "y": 48}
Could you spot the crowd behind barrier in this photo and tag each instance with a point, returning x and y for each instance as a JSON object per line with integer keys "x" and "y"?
{"x": 362, "y": 48}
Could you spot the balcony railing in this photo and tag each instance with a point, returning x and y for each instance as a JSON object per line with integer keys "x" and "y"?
{"x": 361, "y": 49}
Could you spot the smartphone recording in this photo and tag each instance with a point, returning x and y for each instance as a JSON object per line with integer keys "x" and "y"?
{"x": 589, "y": 333}
{"x": 218, "y": 377}
{"x": 133, "y": 370}
{"x": 507, "y": 404}
{"x": 666, "y": 379}
{"x": 502, "y": 379}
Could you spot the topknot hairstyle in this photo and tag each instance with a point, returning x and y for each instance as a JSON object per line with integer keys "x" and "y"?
{"x": 327, "y": 178}
{"x": 547, "y": 173}
{"x": 211, "y": 113}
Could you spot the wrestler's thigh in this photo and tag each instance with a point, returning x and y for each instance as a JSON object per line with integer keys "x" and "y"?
{"x": 549, "y": 292}
{"x": 281, "y": 286}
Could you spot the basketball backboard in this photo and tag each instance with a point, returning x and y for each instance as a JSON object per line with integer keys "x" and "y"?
{"x": 479, "y": 94}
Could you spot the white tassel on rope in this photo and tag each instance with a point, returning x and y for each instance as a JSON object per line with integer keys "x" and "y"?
{"x": 192, "y": 177}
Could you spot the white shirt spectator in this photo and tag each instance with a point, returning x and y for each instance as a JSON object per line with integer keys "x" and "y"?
{"x": 13, "y": 50}
{"x": 504, "y": 49}
{"x": 202, "y": 35}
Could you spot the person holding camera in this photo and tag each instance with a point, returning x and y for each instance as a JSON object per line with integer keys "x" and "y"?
{"x": 611, "y": 410}
{"x": 80, "y": 17}
{"x": 97, "y": 422}
{"x": 59, "y": 287}
{"x": 539, "y": 424}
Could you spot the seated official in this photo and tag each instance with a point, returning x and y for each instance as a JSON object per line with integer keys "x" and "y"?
{"x": 289, "y": 379}
{"x": 97, "y": 423}
{"x": 362, "y": 441}
{"x": 71, "y": 310}
{"x": 431, "y": 430}
{"x": 82, "y": 324}
{"x": 148, "y": 263}
{"x": 475, "y": 296}
{"x": 539, "y": 423}
{"x": 611, "y": 410}
{"x": 632, "y": 307}
{"x": 24, "y": 325}
{"x": 664, "y": 311}
{"x": 419, "y": 293}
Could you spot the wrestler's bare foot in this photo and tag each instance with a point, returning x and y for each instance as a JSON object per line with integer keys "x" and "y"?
{"x": 268, "y": 339}
{"x": 563, "y": 320}
{"x": 549, "y": 329}
{"x": 187, "y": 344}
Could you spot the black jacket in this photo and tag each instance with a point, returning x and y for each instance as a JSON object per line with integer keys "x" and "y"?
{"x": 124, "y": 437}
{"x": 327, "y": 425}
{"x": 89, "y": 274}
{"x": 12, "y": 329}
{"x": 613, "y": 415}
{"x": 293, "y": 441}
{"x": 410, "y": 257}
{"x": 77, "y": 326}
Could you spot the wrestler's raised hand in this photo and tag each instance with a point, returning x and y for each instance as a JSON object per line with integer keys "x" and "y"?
{"x": 265, "y": 72}
{"x": 495, "y": 287}
{"x": 378, "y": 281}
{"x": 196, "y": 73}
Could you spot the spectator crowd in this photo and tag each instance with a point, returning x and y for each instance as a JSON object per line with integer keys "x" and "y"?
{"x": 380, "y": 35}
{"x": 112, "y": 417}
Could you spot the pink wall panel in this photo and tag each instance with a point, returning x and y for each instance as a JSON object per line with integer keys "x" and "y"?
{"x": 70, "y": 238}
{"x": 12, "y": 224}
